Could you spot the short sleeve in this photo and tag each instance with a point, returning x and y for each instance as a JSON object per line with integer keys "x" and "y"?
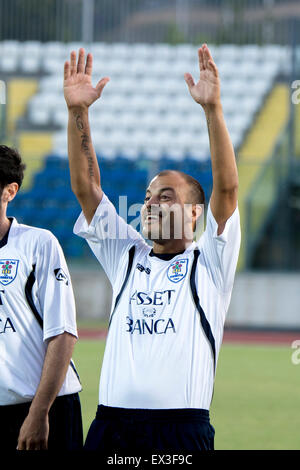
{"x": 109, "y": 237}
{"x": 54, "y": 290}
{"x": 221, "y": 251}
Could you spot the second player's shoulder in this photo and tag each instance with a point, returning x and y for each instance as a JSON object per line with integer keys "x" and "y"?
{"x": 30, "y": 235}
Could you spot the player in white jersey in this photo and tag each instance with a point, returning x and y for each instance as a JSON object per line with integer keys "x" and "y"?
{"x": 169, "y": 302}
{"x": 39, "y": 402}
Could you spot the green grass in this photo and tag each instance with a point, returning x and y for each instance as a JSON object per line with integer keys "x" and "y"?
{"x": 256, "y": 399}
{"x": 88, "y": 356}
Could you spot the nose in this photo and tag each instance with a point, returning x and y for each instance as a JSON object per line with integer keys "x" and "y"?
{"x": 153, "y": 200}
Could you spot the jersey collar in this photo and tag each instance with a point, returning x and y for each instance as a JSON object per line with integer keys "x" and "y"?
{"x": 169, "y": 256}
{"x": 4, "y": 240}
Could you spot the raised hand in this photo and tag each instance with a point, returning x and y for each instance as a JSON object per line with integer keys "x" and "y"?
{"x": 78, "y": 88}
{"x": 207, "y": 90}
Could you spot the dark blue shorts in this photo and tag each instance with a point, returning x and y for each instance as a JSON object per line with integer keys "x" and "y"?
{"x": 65, "y": 424}
{"x": 147, "y": 431}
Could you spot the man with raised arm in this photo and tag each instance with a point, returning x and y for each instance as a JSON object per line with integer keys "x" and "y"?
{"x": 169, "y": 301}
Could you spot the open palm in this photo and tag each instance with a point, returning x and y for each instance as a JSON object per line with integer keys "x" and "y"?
{"x": 78, "y": 88}
{"x": 207, "y": 90}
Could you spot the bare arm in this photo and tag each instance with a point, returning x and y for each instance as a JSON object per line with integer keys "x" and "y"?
{"x": 79, "y": 95}
{"x": 225, "y": 176}
{"x": 84, "y": 170}
{"x": 35, "y": 429}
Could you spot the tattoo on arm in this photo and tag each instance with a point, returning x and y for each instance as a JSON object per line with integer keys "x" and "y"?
{"x": 79, "y": 123}
{"x": 85, "y": 143}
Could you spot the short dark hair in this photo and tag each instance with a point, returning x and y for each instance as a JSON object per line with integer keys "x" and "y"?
{"x": 197, "y": 192}
{"x": 11, "y": 167}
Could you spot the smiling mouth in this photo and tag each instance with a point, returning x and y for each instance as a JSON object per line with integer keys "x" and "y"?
{"x": 153, "y": 217}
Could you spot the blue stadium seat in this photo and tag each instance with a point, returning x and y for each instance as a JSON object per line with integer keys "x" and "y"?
{"x": 40, "y": 194}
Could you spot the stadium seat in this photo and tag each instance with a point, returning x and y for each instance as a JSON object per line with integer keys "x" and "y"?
{"x": 31, "y": 48}
{"x": 184, "y": 52}
{"x": 39, "y": 115}
{"x": 60, "y": 117}
{"x": 162, "y": 52}
{"x": 272, "y": 53}
{"x": 30, "y": 64}
{"x": 8, "y": 63}
{"x": 10, "y": 49}
{"x": 226, "y": 70}
{"x": 52, "y": 64}
{"x": 142, "y": 51}
{"x": 99, "y": 50}
{"x": 60, "y": 143}
{"x": 251, "y": 53}
{"x": 53, "y": 161}
{"x": 50, "y": 83}
{"x": 229, "y": 53}
{"x": 55, "y": 49}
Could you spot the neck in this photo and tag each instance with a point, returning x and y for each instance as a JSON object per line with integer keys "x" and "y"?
{"x": 4, "y": 226}
{"x": 170, "y": 246}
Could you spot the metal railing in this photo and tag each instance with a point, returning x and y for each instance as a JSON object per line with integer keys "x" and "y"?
{"x": 171, "y": 21}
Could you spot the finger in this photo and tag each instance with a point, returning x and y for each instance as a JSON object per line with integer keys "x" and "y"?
{"x": 34, "y": 445}
{"x": 212, "y": 66}
{"x": 21, "y": 445}
{"x": 189, "y": 80}
{"x": 89, "y": 64}
{"x": 205, "y": 56}
{"x": 101, "y": 84}
{"x": 208, "y": 53}
{"x": 81, "y": 60}
{"x": 44, "y": 445}
{"x": 66, "y": 70}
{"x": 201, "y": 60}
{"x": 73, "y": 68}
{"x": 30, "y": 445}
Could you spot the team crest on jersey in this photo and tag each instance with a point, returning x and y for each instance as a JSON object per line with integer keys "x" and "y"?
{"x": 8, "y": 270}
{"x": 177, "y": 270}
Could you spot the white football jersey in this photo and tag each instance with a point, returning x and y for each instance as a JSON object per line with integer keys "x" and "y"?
{"x": 167, "y": 318}
{"x": 36, "y": 303}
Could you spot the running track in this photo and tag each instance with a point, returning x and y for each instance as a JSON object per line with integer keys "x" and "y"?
{"x": 230, "y": 336}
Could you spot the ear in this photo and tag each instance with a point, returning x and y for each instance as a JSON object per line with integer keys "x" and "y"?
{"x": 9, "y": 192}
{"x": 197, "y": 211}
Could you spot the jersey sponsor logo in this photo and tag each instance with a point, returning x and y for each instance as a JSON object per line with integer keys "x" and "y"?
{"x": 178, "y": 270}
{"x": 8, "y": 270}
{"x": 141, "y": 268}
{"x": 160, "y": 326}
{"x": 149, "y": 303}
{"x": 61, "y": 276}
{"x": 6, "y": 325}
{"x": 149, "y": 312}
{"x": 161, "y": 297}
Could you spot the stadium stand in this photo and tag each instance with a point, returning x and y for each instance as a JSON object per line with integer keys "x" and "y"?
{"x": 146, "y": 120}
{"x": 147, "y": 92}
{"x": 255, "y": 153}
